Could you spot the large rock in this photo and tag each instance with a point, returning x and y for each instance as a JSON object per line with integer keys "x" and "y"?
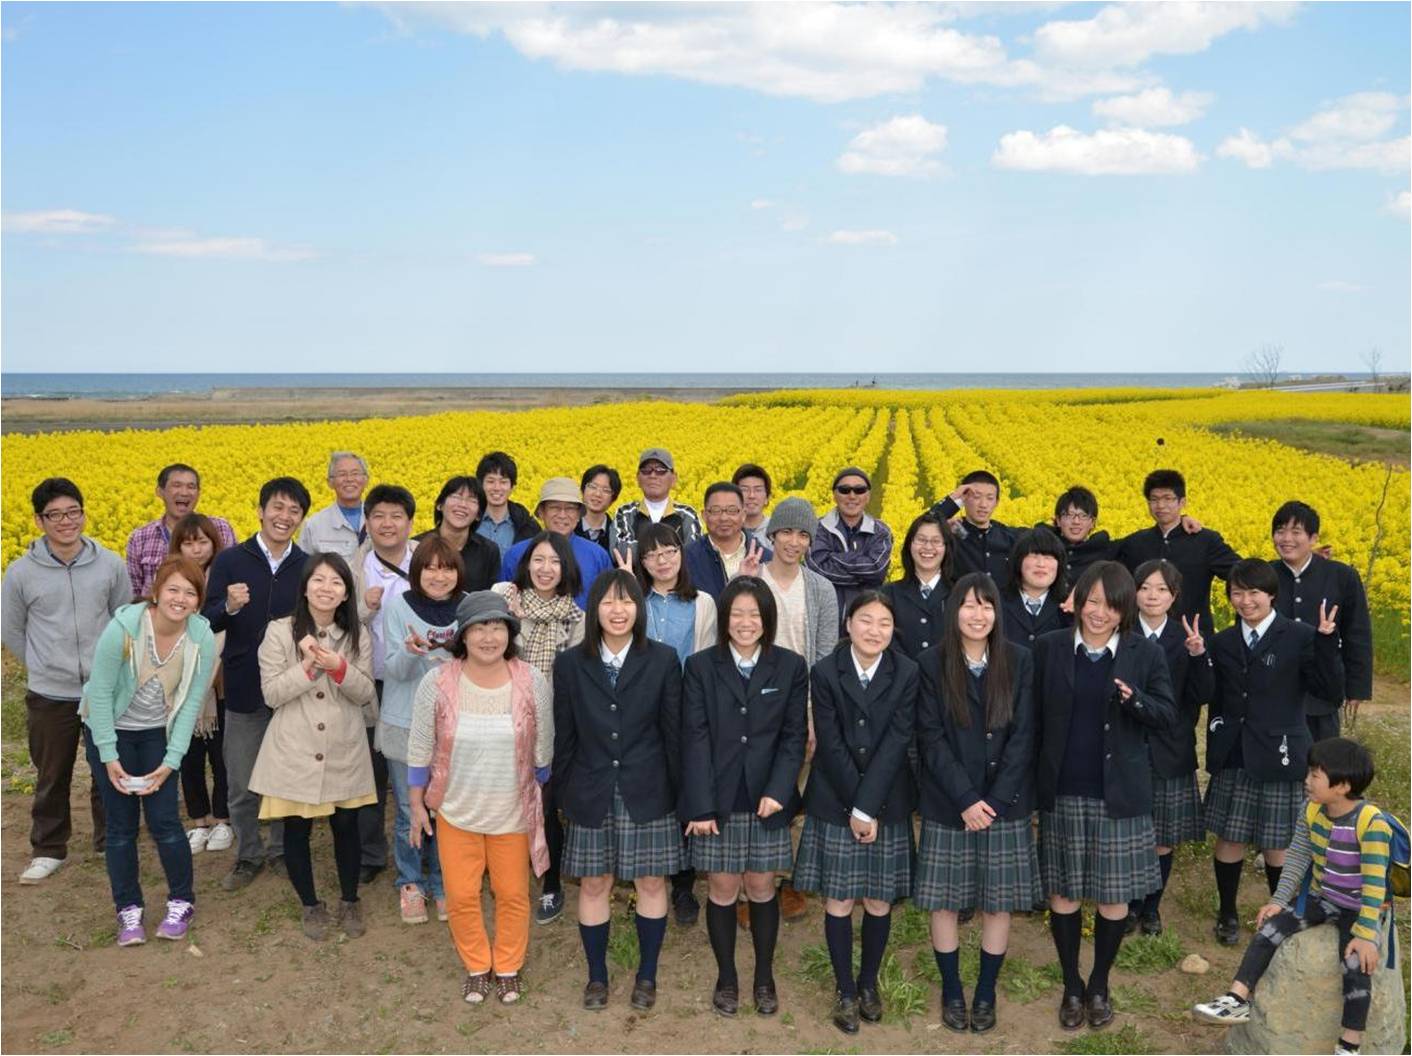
{"x": 1298, "y": 1003}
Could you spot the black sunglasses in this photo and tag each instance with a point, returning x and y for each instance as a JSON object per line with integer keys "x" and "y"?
{"x": 852, "y": 489}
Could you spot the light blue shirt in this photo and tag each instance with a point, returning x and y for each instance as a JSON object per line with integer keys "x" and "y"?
{"x": 501, "y": 533}
{"x": 671, "y": 621}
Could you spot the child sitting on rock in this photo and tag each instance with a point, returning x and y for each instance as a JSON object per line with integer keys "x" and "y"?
{"x": 1343, "y": 842}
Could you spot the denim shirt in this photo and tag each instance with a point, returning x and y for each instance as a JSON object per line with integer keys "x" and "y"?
{"x": 671, "y": 621}
{"x": 501, "y": 534}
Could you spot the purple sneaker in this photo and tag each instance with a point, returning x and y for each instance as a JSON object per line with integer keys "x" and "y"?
{"x": 177, "y": 920}
{"x": 130, "y": 929}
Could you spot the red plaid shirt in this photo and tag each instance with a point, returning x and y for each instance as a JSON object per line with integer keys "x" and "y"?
{"x": 147, "y": 548}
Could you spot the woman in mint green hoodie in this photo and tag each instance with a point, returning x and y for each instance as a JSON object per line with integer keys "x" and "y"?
{"x": 150, "y": 671}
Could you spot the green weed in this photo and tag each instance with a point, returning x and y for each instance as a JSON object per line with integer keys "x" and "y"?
{"x": 1146, "y": 954}
{"x": 1129, "y": 1041}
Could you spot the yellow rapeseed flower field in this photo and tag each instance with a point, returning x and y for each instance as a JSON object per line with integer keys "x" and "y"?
{"x": 916, "y": 445}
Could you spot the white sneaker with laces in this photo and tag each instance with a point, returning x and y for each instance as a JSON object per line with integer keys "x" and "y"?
{"x": 40, "y": 869}
{"x": 198, "y": 838}
{"x": 1224, "y": 1011}
{"x": 222, "y": 837}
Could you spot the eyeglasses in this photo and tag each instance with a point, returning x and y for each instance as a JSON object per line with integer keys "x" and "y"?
{"x": 599, "y": 489}
{"x": 723, "y": 511}
{"x": 1162, "y": 500}
{"x": 1076, "y": 515}
{"x": 661, "y": 553}
{"x": 352, "y": 474}
{"x": 73, "y": 513}
{"x": 654, "y": 470}
{"x": 852, "y": 489}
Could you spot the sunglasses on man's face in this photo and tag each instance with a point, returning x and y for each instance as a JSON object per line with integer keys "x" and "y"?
{"x": 852, "y": 489}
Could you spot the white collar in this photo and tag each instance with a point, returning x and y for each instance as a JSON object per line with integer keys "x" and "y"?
{"x": 1111, "y": 645}
{"x": 863, "y": 672}
{"x": 1025, "y": 599}
{"x": 735, "y": 655}
{"x": 374, "y": 564}
{"x": 1302, "y": 568}
{"x": 610, "y": 657}
{"x": 977, "y": 666}
{"x": 930, "y": 584}
{"x": 1148, "y": 632}
{"x": 742, "y": 541}
{"x": 655, "y": 510}
{"x": 269, "y": 556}
{"x": 1260, "y": 628}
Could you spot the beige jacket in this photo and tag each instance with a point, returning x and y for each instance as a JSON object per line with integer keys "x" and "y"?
{"x": 315, "y": 749}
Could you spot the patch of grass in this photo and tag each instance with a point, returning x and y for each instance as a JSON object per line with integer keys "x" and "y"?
{"x": 1354, "y": 443}
{"x": 1146, "y": 954}
{"x": 1135, "y": 1000}
{"x": 787, "y": 1019}
{"x": 903, "y": 996}
{"x": 910, "y": 926}
{"x": 622, "y": 943}
{"x": 816, "y": 966}
{"x": 924, "y": 964}
{"x": 1023, "y": 981}
{"x": 54, "y": 1038}
{"x": 1386, "y": 737}
{"x": 1128, "y": 1040}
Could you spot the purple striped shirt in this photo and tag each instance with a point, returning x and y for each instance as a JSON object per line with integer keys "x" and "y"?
{"x": 1343, "y": 873}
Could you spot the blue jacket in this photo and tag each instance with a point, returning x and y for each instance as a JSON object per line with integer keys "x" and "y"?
{"x": 592, "y": 559}
{"x": 271, "y": 597}
{"x": 707, "y": 570}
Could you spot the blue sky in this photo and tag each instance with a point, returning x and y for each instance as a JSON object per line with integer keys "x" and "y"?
{"x": 703, "y": 187}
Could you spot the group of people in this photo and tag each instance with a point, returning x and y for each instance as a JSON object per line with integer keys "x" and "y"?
{"x": 643, "y": 693}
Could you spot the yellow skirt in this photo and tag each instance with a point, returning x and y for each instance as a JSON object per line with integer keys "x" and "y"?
{"x": 274, "y": 807}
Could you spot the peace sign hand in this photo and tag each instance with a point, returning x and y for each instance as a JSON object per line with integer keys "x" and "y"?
{"x": 1326, "y": 619}
{"x": 1195, "y": 644}
{"x": 750, "y": 564}
{"x": 623, "y": 559}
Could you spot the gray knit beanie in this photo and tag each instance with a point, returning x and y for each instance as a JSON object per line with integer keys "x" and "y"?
{"x": 793, "y": 513}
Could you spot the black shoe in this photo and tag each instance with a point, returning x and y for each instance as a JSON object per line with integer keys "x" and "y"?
{"x": 644, "y": 994}
{"x": 982, "y": 1017}
{"x": 1071, "y": 1012}
{"x": 869, "y": 1004}
{"x": 767, "y": 1002}
{"x": 241, "y": 875}
{"x": 595, "y": 996}
{"x": 1099, "y": 1010}
{"x": 1227, "y": 930}
{"x": 550, "y": 907}
{"x": 965, "y": 916}
{"x": 1151, "y": 923}
{"x": 369, "y": 873}
{"x": 276, "y": 865}
{"x": 685, "y": 908}
{"x": 1130, "y": 924}
{"x": 726, "y": 999}
{"x": 955, "y": 1016}
{"x": 845, "y": 1014}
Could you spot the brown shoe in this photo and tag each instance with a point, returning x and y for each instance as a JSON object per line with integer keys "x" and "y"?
{"x": 508, "y": 988}
{"x": 595, "y": 996}
{"x": 316, "y": 922}
{"x": 742, "y": 915}
{"x": 767, "y": 1001}
{"x": 476, "y": 988}
{"x": 1071, "y": 1012}
{"x": 644, "y": 994}
{"x": 350, "y": 919}
{"x": 726, "y": 999}
{"x": 793, "y": 905}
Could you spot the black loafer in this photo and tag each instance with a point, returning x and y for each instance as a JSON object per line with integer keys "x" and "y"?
{"x": 767, "y": 1002}
{"x": 595, "y": 996}
{"x": 369, "y": 873}
{"x": 845, "y": 1014}
{"x": 965, "y": 916}
{"x": 726, "y": 999}
{"x": 1099, "y": 1010}
{"x": 1071, "y": 1012}
{"x": 685, "y": 908}
{"x": 1151, "y": 923}
{"x": 869, "y": 1004}
{"x": 982, "y": 1017}
{"x": 1130, "y": 924}
{"x": 644, "y": 994}
{"x": 955, "y": 1015}
{"x": 1228, "y": 931}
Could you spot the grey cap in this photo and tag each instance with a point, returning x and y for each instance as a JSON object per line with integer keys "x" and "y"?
{"x": 482, "y": 606}
{"x": 793, "y": 513}
{"x": 851, "y": 471}
{"x": 657, "y": 454}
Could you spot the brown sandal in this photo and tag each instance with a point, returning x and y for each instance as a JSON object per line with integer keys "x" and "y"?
{"x": 508, "y": 988}
{"x": 476, "y": 988}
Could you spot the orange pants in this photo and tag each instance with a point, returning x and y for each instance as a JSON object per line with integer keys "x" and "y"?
{"x": 465, "y": 857}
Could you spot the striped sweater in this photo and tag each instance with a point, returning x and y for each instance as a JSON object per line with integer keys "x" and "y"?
{"x": 1347, "y": 859}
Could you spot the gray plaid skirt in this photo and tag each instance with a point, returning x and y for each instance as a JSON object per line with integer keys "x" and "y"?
{"x": 832, "y": 863}
{"x": 1243, "y": 810}
{"x": 1176, "y": 810}
{"x": 1085, "y": 854}
{"x": 995, "y": 870}
{"x": 744, "y": 845}
{"x": 623, "y": 847}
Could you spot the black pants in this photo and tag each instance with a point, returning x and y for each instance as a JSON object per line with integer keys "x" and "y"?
{"x": 53, "y": 727}
{"x": 1324, "y": 726}
{"x": 193, "y": 773}
{"x": 553, "y": 835}
{"x": 372, "y": 819}
{"x": 1357, "y": 985}
{"x": 300, "y": 865}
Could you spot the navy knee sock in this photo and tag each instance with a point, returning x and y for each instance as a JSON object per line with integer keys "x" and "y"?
{"x": 650, "y": 933}
{"x": 595, "y": 950}
{"x": 990, "y": 972}
{"x": 1067, "y": 929}
{"x": 838, "y": 933}
{"x": 1228, "y": 885}
{"x": 875, "y": 932}
{"x": 949, "y": 965}
{"x": 1153, "y": 900}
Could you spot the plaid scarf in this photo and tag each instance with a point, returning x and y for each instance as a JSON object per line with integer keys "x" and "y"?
{"x": 545, "y": 627}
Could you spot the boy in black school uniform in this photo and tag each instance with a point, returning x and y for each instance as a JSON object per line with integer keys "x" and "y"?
{"x": 982, "y": 544}
{"x": 1199, "y": 553}
{"x": 1257, "y": 740}
{"x": 1308, "y": 580}
{"x": 1075, "y": 516}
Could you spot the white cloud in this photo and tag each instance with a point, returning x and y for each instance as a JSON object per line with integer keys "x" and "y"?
{"x": 1129, "y": 34}
{"x": 1392, "y": 155}
{"x": 1340, "y": 286}
{"x": 901, "y": 146}
{"x": 236, "y": 248}
{"x": 1400, "y": 204}
{"x": 1342, "y": 135}
{"x": 1107, "y": 152}
{"x": 1246, "y": 146}
{"x": 1153, "y": 108}
{"x": 1361, "y": 116}
{"x": 870, "y": 237}
{"x": 506, "y": 260}
{"x": 794, "y": 222}
{"x": 761, "y": 203}
{"x": 58, "y": 222}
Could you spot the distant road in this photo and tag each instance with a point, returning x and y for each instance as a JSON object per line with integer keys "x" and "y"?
{"x": 1332, "y": 386}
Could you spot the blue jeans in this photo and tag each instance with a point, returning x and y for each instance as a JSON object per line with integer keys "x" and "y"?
{"x": 421, "y": 867}
{"x": 141, "y": 752}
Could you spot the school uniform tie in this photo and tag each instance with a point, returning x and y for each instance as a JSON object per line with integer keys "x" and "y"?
{"x": 1254, "y": 638}
{"x": 863, "y": 681}
{"x": 612, "y": 670}
{"x": 1153, "y": 637}
{"x": 1094, "y": 657}
{"x": 926, "y": 593}
{"x": 1033, "y": 606}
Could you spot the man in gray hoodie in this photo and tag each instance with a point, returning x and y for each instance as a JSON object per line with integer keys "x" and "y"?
{"x": 57, "y": 598}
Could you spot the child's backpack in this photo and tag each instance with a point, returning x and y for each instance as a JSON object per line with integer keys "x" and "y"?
{"x": 1399, "y": 861}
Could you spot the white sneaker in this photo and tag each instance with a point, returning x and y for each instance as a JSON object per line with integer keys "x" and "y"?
{"x": 1224, "y": 1011}
{"x": 197, "y": 837}
{"x": 222, "y": 837}
{"x": 40, "y": 869}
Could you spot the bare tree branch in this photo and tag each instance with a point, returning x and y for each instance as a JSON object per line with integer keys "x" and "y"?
{"x": 1263, "y": 364}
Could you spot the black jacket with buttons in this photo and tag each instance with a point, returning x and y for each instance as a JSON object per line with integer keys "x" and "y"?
{"x": 861, "y": 739}
{"x": 963, "y": 765}
{"x": 628, "y": 736}
{"x": 1333, "y": 583}
{"x": 1193, "y": 681}
{"x": 1258, "y": 701}
{"x": 917, "y": 625}
{"x": 730, "y": 729}
{"x": 1022, "y": 628}
{"x": 1127, "y": 770}
{"x": 978, "y": 551}
{"x": 1199, "y": 556}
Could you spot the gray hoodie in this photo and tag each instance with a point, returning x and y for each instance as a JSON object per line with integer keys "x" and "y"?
{"x": 53, "y": 613}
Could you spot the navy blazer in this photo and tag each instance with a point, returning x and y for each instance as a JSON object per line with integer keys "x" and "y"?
{"x": 963, "y": 765}
{"x": 730, "y": 729}
{"x": 1127, "y": 770}
{"x": 978, "y": 551}
{"x": 1193, "y": 682}
{"x": 628, "y": 737}
{"x": 272, "y": 597}
{"x": 1258, "y": 702}
{"x": 707, "y": 570}
{"x": 861, "y": 739}
{"x": 1337, "y": 584}
{"x": 917, "y": 626}
{"x": 1199, "y": 556}
{"x": 1022, "y": 628}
